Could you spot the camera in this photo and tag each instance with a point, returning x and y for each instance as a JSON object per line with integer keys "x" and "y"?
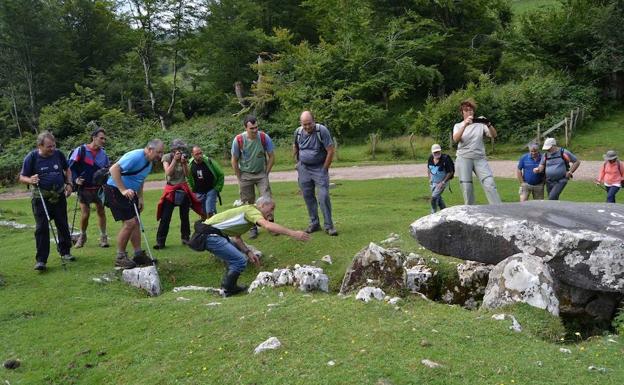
{"x": 481, "y": 119}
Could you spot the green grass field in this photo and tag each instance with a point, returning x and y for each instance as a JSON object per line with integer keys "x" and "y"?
{"x": 67, "y": 329}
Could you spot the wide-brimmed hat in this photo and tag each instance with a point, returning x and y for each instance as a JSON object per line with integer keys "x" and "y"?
{"x": 435, "y": 148}
{"x": 610, "y": 155}
{"x": 548, "y": 143}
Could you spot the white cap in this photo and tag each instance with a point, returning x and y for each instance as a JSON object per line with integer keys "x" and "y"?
{"x": 435, "y": 148}
{"x": 548, "y": 143}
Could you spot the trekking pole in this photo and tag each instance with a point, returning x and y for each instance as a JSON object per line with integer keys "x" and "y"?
{"x": 149, "y": 252}
{"x": 45, "y": 208}
{"x": 71, "y": 233}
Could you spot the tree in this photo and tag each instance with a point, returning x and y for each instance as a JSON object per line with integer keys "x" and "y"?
{"x": 38, "y": 63}
{"x": 97, "y": 34}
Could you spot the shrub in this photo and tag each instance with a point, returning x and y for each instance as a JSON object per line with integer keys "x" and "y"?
{"x": 515, "y": 108}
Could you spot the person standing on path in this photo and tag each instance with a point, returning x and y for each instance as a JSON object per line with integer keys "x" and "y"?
{"x": 530, "y": 182}
{"x": 84, "y": 162}
{"x": 252, "y": 161}
{"x": 559, "y": 166}
{"x": 468, "y": 134}
{"x": 313, "y": 149}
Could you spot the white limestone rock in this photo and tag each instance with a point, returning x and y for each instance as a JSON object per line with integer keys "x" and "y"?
{"x": 368, "y": 293}
{"x": 145, "y": 278}
{"x": 416, "y": 278}
{"x": 521, "y": 278}
{"x": 254, "y": 250}
{"x": 264, "y": 278}
{"x": 430, "y": 364}
{"x": 283, "y": 277}
{"x": 392, "y": 238}
{"x": 270, "y": 344}
{"x": 310, "y": 278}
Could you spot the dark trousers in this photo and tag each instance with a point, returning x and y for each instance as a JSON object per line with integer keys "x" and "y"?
{"x": 58, "y": 213}
{"x": 555, "y": 187}
{"x": 165, "y": 219}
{"x": 611, "y": 192}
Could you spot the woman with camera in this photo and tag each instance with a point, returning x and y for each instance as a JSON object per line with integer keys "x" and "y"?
{"x": 468, "y": 134}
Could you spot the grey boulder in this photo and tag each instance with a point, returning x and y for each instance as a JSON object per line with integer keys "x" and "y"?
{"x": 582, "y": 243}
{"x": 521, "y": 278}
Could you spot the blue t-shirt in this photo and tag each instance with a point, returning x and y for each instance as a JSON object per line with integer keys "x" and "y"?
{"x": 50, "y": 169}
{"x": 526, "y": 164}
{"x": 87, "y": 166}
{"x": 312, "y": 151}
{"x": 130, "y": 162}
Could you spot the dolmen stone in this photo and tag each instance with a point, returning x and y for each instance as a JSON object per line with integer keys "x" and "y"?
{"x": 582, "y": 243}
{"x": 145, "y": 278}
{"x": 521, "y": 278}
{"x": 473, "y": 279}
{"x": 374, "y": 263}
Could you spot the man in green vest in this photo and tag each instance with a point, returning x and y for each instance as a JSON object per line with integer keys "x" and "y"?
{"x": 252, "y": 160}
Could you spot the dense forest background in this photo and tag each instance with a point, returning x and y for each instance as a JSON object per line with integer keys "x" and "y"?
{"x": 164, "y": 68}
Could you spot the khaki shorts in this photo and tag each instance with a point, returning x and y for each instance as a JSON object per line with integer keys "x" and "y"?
{"x": 528, "y": 189}
{"x": 247, "y": 184}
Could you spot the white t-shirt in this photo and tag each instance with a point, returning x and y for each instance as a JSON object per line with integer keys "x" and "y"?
{"x": 471, "y": 144}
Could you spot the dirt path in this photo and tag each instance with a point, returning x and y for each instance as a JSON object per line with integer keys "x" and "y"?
{"x": 501, "y": 168}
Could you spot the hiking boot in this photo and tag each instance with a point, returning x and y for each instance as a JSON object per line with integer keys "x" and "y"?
{"x": 142, "y": 259}
{"x": 124, "y": 262}
{"x": 80, "y": 242}
{"x": 253, "y": 233}
{"x": 185, "y": 241}
{"x": 331, "y": 232}
{"x": 312, "y": 228}
{"x": 159, "y": 246}
{"x": 229, "y": 285}
{"x": 68, "y": 257}
{"x": 104, "y": 241}
{"x": 40, "y": 266}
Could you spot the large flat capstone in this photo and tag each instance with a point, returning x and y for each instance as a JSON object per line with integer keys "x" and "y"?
{"x": 583, "y": 243}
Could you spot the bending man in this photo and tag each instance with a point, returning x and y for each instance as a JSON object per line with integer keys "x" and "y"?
{"x": 234, "y": 223}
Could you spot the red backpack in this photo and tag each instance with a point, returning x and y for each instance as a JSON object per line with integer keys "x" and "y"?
{"x": 239, "y": 140}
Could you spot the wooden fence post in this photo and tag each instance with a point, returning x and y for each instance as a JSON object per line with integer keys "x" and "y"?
{"x": 566, "y": 131}
{"x": 373, "y": 140}
{"x": 539, "y": 134}
{"x": 411, "y": 138}
{"x": 335, "y": 148}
